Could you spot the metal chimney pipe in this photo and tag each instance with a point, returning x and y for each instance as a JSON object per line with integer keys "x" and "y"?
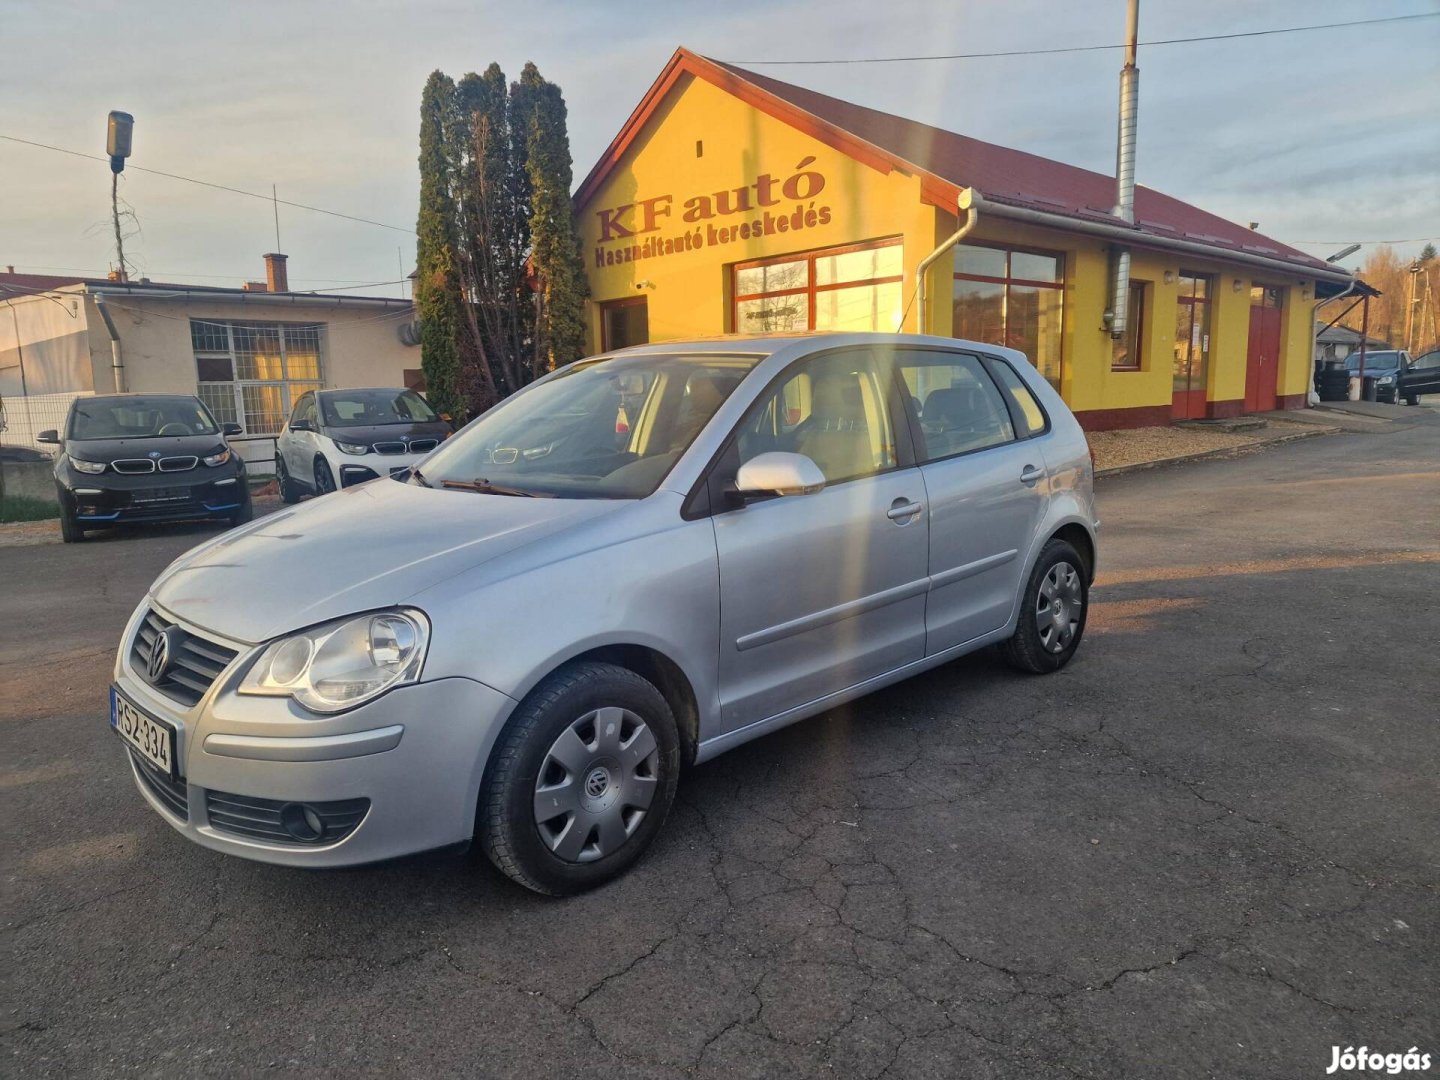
{"x": 1124, "y": 207}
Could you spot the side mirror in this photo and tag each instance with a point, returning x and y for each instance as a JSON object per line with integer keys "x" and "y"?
{"x": 231, "y": 429}
{"x": 49, "y": 436}
{"x": 301, "y": 425}
{"x": 779, "y": 473}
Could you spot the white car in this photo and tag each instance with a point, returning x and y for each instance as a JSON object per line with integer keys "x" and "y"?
{"x": 339, "y": 438}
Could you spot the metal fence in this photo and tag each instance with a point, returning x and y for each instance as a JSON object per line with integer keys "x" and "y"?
{"x": 24, "y": 417}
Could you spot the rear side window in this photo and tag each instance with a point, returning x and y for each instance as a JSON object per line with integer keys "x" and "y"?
{"x": 1028, "y": 414}
{"x": 956, "y": 402}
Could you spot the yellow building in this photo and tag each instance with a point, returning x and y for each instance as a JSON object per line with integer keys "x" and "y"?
{"x": 734, "y": 203}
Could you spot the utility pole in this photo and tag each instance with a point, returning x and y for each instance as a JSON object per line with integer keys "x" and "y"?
{"x": 1410, "y": 308}
{"x": 118, "y": 133}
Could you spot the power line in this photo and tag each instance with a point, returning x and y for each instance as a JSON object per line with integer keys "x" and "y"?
{"x": 207, "y": 183}
{"x": 1087, "y": 48}
{"x": 1412, "y": 240}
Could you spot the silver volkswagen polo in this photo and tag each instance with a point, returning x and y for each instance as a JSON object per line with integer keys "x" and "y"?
{"x": 634, "y": 564}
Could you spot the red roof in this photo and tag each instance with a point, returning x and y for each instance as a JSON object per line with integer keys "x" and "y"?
{"x": 948, "y": 162}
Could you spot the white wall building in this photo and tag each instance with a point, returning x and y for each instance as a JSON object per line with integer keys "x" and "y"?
{"x": 248, "y": 353}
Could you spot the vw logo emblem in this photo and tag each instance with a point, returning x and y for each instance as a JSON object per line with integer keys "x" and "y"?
{"x": 159, "y": 661}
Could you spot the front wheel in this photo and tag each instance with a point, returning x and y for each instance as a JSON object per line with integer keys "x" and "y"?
{"x": 1052, "y": 612}
{"x": 581, "y": 779}
{"x": 70, "y": 530}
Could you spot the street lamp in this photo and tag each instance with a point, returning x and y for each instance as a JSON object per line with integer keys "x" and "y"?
{"x": 1342, "y": 253}
{"x": 118, "y": 134}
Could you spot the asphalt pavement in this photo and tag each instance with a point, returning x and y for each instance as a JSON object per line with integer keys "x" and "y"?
{"x": 1209, "y": 848}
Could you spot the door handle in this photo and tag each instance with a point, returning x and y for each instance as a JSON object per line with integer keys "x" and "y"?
{"x": 1031, "y": 473}
{"x": 902, "y": 510}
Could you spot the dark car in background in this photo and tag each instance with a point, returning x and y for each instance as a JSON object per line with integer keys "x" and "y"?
{"x": 139, "y": 458}
{"x": 1419, "y": 376}
{"x": 1386, "y": 366}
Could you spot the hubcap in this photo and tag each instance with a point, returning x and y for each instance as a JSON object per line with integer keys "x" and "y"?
{"x": 1059, "y": 607}
{"x": 596, "y": 784}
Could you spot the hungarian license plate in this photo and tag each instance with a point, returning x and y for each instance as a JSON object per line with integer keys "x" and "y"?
{"x": 164, "y": 494}
{"x": 152, "y": 739}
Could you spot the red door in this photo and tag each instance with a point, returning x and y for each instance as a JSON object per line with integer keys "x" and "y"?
{"x": 1262, "y": 362}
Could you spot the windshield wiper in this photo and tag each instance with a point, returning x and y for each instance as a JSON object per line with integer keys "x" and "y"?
{"x": 420, "y": 477}
{"x": 484, "y": 486}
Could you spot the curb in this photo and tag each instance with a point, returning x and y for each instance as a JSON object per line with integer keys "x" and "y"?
{"x": 1224, "y": 451}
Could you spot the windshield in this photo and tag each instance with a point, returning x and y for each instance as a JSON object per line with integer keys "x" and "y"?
{"x": 140, "y": 418}
{"x": 1375, "y": 361}
{"x": 606, "y": 429}
{"x": 366, "y": 408}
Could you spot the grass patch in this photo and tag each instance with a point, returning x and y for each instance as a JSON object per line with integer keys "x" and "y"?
{"x": 24, "y": 508}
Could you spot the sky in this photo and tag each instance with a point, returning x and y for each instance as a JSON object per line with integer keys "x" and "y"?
{"x": 1324, "y": 138}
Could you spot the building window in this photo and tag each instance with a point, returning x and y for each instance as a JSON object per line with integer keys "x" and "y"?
{"x": 1192, "y": 344}
{"x": 847, "y": 288}
{"x": 1011, "y": 298}
{"x": 251, "y": 373}
{"x": 1127, "y": 352}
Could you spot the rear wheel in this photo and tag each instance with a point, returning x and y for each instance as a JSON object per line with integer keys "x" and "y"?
{"x": 324, "y": 478}
{"x": 289, "y": 490}
{"x": 1052, "y": 612}
{"x": 581, "y": 779}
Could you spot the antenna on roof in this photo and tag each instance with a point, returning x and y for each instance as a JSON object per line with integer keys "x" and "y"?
{"x": 275, "y": 202}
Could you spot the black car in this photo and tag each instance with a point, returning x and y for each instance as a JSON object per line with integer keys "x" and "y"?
{"x": 1419, "y": 376}
{"x": 133, "y": 458}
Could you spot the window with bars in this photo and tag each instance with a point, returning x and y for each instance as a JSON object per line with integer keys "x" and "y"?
{"x": 252, "y": 373}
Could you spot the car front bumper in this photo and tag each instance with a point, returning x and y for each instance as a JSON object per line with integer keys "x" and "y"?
{"x": 407, "y": 765}
{"x": 112, "y": 498}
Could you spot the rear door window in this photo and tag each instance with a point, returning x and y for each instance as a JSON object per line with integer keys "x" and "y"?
{"x": 957, "y": 405}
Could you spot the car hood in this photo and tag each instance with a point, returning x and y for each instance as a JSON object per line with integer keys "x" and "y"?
{"x": 373, "y": 433}
{"x": 167, "y": 446}
{"x": 358, "y": 549}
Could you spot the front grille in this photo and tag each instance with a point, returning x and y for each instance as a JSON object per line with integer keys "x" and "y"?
{"x": 423, "y": 446}
{"x": 174, "y": 794}
{"x": 183, "y": 463}
{"x": 395, "y": 447}
{"x": 133, "y": 466}
{"x": 264, "y": 819}
{"x": 195, "y": 663}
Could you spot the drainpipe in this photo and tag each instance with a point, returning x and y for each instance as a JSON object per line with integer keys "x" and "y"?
{"x": 117, "y": 366}
{"x": 1124, "y": 208}
{"x": 968, "y": 204}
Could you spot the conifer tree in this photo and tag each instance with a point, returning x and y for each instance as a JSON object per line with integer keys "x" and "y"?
{"x": 556, "y": 266}
{"x": 438, "y": 296}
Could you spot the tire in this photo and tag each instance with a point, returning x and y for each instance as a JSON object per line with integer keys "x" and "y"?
{"x": 244, "y": 514}
{"x": 1039, "y": 644}
{"x": 561, "y": 742}
{"x": 70, "y": 530}
{"x": 289, "y": 490}
{"x": 324, "y": 478}
{"x": 1412, "y": 399}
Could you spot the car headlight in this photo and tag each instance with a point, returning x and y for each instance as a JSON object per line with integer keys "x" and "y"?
{"x": 352, "y": 447}
{"x": 90, "y": 468}
{"x": 335, "y": 667}
{"x": 1386, "y": 380}
{"x": 218, "y": 459}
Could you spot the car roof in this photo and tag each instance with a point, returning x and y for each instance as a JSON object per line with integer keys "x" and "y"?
{"x": 101, "y": 398}
{"x": 364, "y": 390}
